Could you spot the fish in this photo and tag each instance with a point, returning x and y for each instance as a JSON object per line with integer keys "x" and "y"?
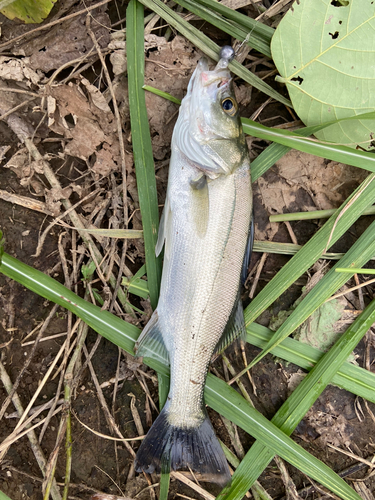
{"x": 205, "y": 230}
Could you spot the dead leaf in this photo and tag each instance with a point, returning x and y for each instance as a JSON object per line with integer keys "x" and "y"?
{"x": 54, "y": 197}
{"x": 3, "y": 152}
{"x": 19, "y": 162}
{"x": 65, "y": 42}
{"x": 97, "y": 99}
{"x": 18, "y": 70}
{"x": 243, "y": 94}
{"x": 87, "y": 136}
{"x": 332, "y": 428}
{"x": 118, "y": 61}
{"x": 302, "y": 182}
{"x": 91, "y": 121}
{"x": 104, "y": 164}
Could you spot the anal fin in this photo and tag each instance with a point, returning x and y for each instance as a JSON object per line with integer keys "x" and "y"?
{"x": 248, "y": 251}
{"x": 150, "y": 343}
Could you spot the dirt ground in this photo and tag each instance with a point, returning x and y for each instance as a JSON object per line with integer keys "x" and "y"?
{"x": 56, "y": 77}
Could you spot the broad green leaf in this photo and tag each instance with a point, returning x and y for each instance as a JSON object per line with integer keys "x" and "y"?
{"x": 29, "y": 11}
{"x": 142, "y": 149}
{"x": 323, "y": 52}
{"x": 218, "y": 394}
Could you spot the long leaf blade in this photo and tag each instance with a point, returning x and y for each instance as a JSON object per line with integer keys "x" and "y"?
{"x": 143, "y": 157}
{"x": 330, "y": 150}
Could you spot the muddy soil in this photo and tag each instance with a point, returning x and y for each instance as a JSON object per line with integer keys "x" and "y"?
{"x": 75, "y": 131}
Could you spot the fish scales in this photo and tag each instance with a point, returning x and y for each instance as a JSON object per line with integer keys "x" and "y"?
{"x": 190, "y": 281}
{"x": 205, "y": 232}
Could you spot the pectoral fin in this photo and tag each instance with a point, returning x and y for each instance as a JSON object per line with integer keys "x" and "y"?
{"x": 164, "y": 225}
{"x": 150, "y": 342}
{"x": 235, "y": 327}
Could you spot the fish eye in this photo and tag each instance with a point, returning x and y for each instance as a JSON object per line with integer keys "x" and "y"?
{"x": 229, "y": 106}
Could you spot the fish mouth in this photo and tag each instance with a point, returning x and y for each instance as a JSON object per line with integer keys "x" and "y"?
{"x": 204, "y": 77}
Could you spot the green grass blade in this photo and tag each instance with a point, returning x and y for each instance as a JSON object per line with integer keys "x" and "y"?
{"x": 3, "y": 496}
{"x": 231, "y": 27}
{"x": 110, "y": 326}
{"x": 267, "y": 159}
{"x": 209, "y": 47}
{"x": 275, "y": 151}
{"x": 218, "y": 394}
{"x": 163, "y": 389}
{"x": 161, "y": 93}
{"x": 137, "y": 286}
{"x": 288, "y": 249}
{"x": 256, "y": 28}
{"x": 355, "y": 270}
{"x": 350, "y": 377}
{"x": 315, "y": 214}
{"x": 165, "y": 477}
{"x": 143, "y": 156}
{"x": 360, "y": 199}
{"x": 298, "y": 404}
{"x": 342, "y": 154}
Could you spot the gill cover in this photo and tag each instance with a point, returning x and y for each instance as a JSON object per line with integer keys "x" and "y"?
{"x": 208, "y": 130}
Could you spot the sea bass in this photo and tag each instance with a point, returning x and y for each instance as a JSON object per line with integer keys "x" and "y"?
{"x": 205, "y": 230}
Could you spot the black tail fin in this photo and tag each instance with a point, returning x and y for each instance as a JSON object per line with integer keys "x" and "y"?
{"x": 195, "y": 448}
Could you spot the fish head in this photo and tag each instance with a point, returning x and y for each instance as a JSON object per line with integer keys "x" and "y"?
{"x": 209, "y": 130}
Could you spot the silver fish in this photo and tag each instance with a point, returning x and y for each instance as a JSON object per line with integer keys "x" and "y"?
{"x": 205, "y": 230}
